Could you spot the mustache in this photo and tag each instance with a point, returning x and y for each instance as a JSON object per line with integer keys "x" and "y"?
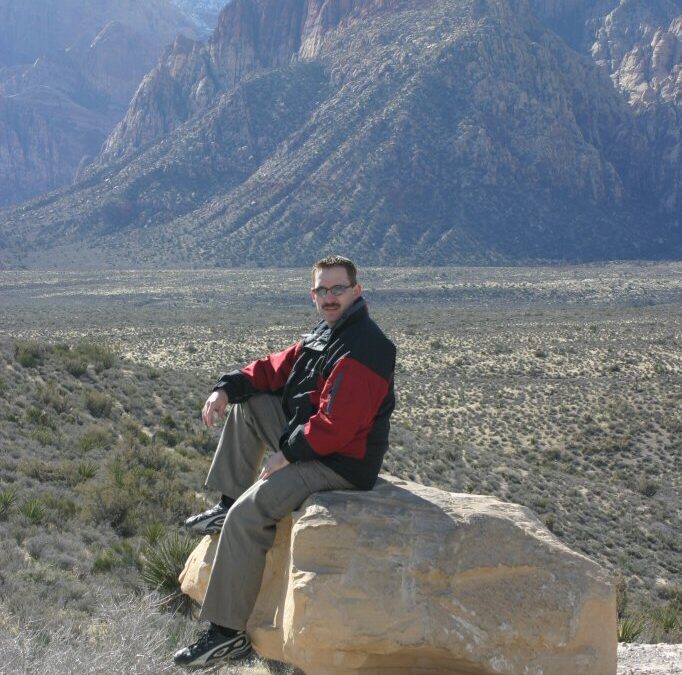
{"x": 331, "y": 306}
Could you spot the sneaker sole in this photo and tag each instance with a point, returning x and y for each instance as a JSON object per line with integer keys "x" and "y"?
{"x": 208, "y": 526}
{"x": 233, "y": 651}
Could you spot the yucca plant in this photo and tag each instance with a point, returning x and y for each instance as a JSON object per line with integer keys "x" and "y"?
{"x": 630, "y": 628}
{"x": 154, "y": 532}
{"x": 86, "y": 470}
{"x": 667, "y": 618}
{"x": 34, "y": 510}
{"x": 161, "y": 567}
{"x": 7, "y": 499}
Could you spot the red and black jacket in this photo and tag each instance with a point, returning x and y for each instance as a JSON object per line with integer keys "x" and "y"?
{"x": 337, "y": 394}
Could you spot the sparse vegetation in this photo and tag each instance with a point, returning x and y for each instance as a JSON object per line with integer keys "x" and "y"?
{"x": 503, "y": 388}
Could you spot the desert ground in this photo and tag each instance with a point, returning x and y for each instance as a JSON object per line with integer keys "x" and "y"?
{"x": 559, "y": 388}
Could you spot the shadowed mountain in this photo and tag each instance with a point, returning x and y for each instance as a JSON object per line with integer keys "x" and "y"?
{"x": 68, "y": 70}
{"x": 394, "y": 130}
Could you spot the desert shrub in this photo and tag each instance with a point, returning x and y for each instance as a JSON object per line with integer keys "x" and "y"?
{"x": 202, "y": 441}
{"x": 97, "y": 353}
{"x": 647, "y": 487}
{"x": 34, "y": 510}
{"x": 7, "y": 499}
{"x": 46, "y": 436}
{"x": 98, "y": 404}
{"x": 166, "y": 437}
{"x": 95, "y": 437}
{"x": 104, "y": 561}
{"x": 138, "y": 486}
{"x": 113, "y": 504}
{"x": 668, "y": 618}
{"x": 41, "y": 418}
{"x": 168, "y": 422}
{"x": 630, "y": 628}
{"x": 49, "y": 395}
{"x": 59, "y": 509}
{"x": 120, "y": 554}
{"x": 75, "y": 366}
{"x": 29, "y": 353}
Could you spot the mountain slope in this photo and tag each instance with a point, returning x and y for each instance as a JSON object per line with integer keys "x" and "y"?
{"x": 459, "y": 131}
{"x": 67, "y": 72}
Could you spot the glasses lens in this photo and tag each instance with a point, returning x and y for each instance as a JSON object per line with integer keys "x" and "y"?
{"x": 321, "y": 291}
{"x": 338, "y": 289}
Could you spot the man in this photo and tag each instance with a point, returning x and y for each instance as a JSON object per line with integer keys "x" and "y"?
{"x": 323, "y": 407}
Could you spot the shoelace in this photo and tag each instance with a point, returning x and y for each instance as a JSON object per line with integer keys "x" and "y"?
{"x": 203, "y": 641}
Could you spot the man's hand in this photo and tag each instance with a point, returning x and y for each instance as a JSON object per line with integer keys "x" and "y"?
{"x": 215, "y": 405}
{"x": 275, "y": 463}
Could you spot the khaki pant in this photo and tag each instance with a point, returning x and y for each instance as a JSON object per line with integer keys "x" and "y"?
{"x": 249, "y": 529}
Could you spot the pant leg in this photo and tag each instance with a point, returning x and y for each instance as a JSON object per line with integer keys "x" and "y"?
{"x": 248, "y": 534}
{"x": 251, "y": 427}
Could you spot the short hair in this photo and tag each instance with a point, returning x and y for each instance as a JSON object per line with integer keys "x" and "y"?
{"x": 337, "y": 261}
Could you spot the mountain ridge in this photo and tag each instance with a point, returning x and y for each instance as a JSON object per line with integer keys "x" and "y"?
{"x": 458, "y": 132}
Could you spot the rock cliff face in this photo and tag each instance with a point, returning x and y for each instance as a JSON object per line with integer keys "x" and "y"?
{"x": 251, "y": 35}
{"x": 67, "y": 73}
{"x": 639, "y": 44}
{"x": 407, "y": 579}
{"x": 395, "y": 130}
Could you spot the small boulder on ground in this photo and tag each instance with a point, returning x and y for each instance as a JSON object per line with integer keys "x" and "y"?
{"x": 411, "y": 579}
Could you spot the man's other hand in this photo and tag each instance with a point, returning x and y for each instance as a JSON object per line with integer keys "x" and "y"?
{"x": 275, "y": 463}
{"x": 215, "y": 405}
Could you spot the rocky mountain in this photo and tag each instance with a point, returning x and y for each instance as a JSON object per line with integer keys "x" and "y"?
{"x": 395, "y": 130}
{"x": 204, "y": 13}
{"x": 68, "y": 70}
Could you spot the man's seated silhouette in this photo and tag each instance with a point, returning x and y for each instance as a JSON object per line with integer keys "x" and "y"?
{"x": 323, "y": 407}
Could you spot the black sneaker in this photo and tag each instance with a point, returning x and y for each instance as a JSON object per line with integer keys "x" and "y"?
{"x": 210, "y": 521}
{"x": 212, "y": 648}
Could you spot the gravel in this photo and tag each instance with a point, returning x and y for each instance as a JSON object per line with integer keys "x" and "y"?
{"x": 658, "y": 659}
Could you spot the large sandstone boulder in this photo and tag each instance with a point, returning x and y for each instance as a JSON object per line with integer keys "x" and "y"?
{"x": 411, "y": 579}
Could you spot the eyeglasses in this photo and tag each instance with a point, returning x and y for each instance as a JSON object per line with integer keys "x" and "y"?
{"x": 339, "y": 289}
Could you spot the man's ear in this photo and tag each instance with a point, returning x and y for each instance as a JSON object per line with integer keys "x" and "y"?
{"x": 357, "y": 290}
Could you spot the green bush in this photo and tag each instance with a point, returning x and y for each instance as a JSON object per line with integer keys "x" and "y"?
{"x": 648, "y": 488}
{"x": 95, "y": 437}
{"x": 76, "y": 367}
{"x": 41, "y": 418}
{"x": 45, "y": 436}
{"x": 97, "y": 353}
{"x": 29, "y": 353}
{"x": 667, "y": 618}
{"x": 98, "y": 404}
{"x": 49, "y": 395}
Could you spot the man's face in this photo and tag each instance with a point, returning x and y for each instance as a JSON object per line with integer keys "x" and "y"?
{"x": 331, "y": 307}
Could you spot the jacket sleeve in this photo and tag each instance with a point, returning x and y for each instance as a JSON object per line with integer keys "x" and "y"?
{"x": 268, "y": 374}
{"x": 349, "y": 402}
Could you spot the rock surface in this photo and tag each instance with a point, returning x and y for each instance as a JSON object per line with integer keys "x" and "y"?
{"x": 412, "y": 579}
